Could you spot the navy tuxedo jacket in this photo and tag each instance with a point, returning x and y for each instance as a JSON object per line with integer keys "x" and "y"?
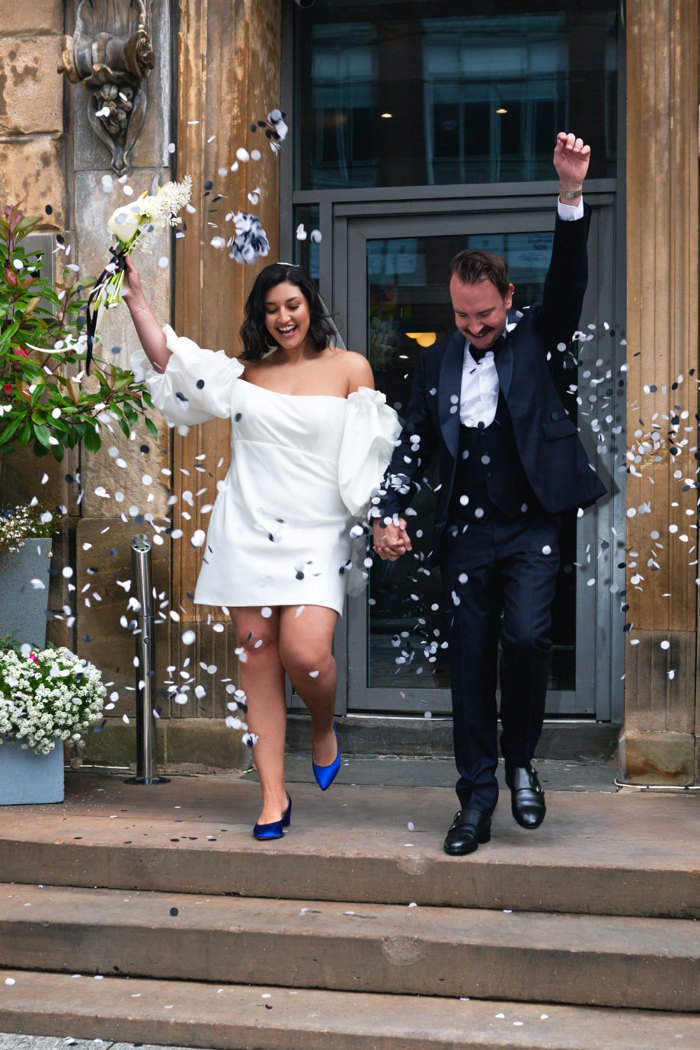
{"x": 547, "y": 439}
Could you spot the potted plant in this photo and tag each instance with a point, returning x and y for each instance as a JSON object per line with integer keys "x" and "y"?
{"x": 46, "y": 697}
{"x": 47, "y": 401}
{"x": 26, "y": 533}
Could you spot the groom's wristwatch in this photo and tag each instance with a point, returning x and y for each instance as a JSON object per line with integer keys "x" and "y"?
{"x": 570, "y": 195}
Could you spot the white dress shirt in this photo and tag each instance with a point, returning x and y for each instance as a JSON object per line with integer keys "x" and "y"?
{"x": 479, "y": 393}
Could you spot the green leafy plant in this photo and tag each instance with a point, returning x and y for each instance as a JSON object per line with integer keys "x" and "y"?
{"x": 46, "y": 401}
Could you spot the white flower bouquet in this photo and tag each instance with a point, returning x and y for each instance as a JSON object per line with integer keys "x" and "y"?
{"x": 47, "y": 696}
{"x": 135, "y": 224}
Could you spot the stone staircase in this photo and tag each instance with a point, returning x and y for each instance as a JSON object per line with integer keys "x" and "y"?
{"x": 153, "y": 918}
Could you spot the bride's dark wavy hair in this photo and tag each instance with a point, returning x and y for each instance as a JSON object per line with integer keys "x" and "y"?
{"x": 255, "y": 337}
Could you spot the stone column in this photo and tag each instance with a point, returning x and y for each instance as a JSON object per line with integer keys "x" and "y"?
{"x": 116, "y": 492}
{"x": 228, "y": 77}
{"x": 658, "y": 743}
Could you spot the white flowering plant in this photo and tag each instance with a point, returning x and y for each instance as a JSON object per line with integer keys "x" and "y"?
{"x": 25, "y": 521}
{"x": 47, "y": 696}
{"x": 135, "y": 225}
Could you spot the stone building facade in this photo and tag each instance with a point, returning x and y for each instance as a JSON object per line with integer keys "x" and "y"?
{"x": 219, "y": 67}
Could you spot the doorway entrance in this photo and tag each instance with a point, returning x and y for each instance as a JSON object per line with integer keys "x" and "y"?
{"x": 390, "y": 284}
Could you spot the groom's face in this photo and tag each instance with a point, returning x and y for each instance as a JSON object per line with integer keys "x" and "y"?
{"x": 480, "y": 311}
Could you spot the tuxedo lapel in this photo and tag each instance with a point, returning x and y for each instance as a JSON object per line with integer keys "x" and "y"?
{"x": 504, "y": 357}
{"x": 449, "y": 386}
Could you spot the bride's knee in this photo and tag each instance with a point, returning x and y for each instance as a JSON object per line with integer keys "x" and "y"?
{"x": 308, "y": 661}
{"x": 256, "y": 647}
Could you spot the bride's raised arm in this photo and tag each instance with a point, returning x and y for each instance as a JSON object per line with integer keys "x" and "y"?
{"x": 147, "y": 328}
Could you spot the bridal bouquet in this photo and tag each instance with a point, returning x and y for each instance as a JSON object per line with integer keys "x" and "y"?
{"x": 47, "y": 696}
{"x": 141, "y": 218}
{"x": 135, "y": 224}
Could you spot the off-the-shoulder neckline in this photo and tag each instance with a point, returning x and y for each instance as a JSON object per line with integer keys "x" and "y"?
{"x": 280, "y": 393}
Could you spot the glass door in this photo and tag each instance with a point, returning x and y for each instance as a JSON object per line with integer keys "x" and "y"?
{"x": 398, "y": 304}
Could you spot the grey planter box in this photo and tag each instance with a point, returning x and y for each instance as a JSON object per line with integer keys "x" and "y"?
{"x": 23, "y": 607}
{"x": 26, "y": 778}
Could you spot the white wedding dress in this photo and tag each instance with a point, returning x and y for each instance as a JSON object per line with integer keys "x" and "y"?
{"x": 303, "y": 470}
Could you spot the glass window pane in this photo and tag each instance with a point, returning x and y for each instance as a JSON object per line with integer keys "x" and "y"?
{"x": 396, "y": 94}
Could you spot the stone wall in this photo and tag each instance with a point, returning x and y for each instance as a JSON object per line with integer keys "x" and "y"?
{"x": 31, "y": 108}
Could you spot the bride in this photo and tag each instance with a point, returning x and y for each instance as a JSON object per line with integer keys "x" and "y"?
{"x": 310, "y": 440}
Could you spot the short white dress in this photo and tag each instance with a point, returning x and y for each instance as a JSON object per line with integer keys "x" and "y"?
{"x": 303, "y": 471}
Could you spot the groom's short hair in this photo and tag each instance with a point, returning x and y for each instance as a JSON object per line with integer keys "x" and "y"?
{"x": 474, "y": 265}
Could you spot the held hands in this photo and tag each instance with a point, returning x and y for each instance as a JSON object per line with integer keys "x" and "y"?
{"x": 390, "y": 540}
{"x": 571, "y": 159}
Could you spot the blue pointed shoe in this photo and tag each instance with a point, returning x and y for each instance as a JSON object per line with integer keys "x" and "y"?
{"x": 325, "y": 775}
{"x": 274, "y": 829}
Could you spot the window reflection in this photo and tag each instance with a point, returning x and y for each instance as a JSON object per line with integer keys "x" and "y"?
{"x": 471, "y": 98}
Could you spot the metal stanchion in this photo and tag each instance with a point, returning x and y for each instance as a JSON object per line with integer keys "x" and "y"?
{"x": 145, "y": 726}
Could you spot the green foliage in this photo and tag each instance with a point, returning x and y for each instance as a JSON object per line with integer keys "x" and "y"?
{"x": 46, "y": 401}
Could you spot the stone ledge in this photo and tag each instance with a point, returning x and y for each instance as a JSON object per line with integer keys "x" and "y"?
{"x": 658, "y": 758}
{"x": 185, "y": 745}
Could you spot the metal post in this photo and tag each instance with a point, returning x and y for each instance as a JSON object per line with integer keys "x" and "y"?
{"x": 145, "y": 726}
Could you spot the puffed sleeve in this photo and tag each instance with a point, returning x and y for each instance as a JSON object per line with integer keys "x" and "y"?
{"x": 196, "y": 384}
{"x": 371, "y": 431}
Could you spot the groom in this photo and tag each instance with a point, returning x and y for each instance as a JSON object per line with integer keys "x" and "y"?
{"x": 510, "y": 462}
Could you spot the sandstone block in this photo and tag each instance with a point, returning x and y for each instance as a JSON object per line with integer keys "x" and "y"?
{"x": 31, "y": 91}
{"x": 657, "y": 758}
{"x": 37, "y": 17}
{"x": 31, "y": 171}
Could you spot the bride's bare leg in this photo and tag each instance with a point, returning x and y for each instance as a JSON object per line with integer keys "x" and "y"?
{"x": 305, "y": 647}
{"x": 261, "y": 677}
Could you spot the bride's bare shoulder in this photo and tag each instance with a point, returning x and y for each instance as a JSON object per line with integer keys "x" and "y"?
{"x": 356, "y": 368}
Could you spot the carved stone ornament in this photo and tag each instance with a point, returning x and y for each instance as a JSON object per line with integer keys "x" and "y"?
{"x": 111, "y": 55}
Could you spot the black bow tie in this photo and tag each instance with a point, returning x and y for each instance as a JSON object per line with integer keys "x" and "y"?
{"x": 477, "y": 354}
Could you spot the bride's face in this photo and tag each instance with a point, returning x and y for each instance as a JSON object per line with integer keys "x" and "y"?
{"x": 287, "y": 315}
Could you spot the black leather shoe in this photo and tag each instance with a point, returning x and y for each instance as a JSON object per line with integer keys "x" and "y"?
{"x": 468, "y": 830}
{"x": 526, "y": 796}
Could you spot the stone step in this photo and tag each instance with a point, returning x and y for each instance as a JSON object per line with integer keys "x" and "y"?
{"x": 596, "y": 853}
{"x": 583, "y": 960}
{"x": 231, "y": 1017}
{"x": 397, "y": 735}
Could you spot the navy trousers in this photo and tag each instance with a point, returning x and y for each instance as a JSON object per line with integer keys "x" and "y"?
{"x": 499, "y": 579}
